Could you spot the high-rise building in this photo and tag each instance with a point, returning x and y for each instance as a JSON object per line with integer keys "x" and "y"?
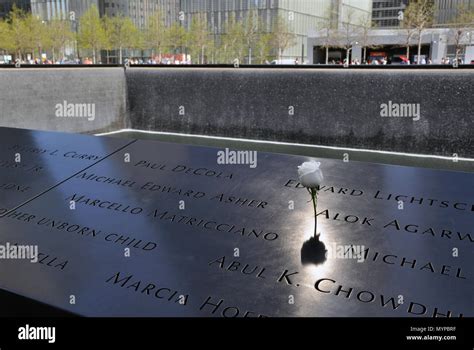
{"x": 447, "y": 10}
{"x": 61, "y": 9}
{"x": 301, "y": 15}
{"x": 114, "y": 7}
{"x": 140, "y": 10}
{"x": 388, "y": 13}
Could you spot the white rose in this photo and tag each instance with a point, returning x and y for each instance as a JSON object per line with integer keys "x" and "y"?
{"x": 310, "y": 174}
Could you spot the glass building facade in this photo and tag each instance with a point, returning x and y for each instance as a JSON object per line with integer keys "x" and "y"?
{"x": 140, "y": 10}
{"x": 447, "y": 10}
{"x": 385, "y": 13}
{"x": 60, "y": 9}
{"x": 302, "y": 15}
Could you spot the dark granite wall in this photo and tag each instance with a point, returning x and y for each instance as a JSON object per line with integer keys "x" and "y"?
{"x": 29, "y": 96}
{"x": 334, "y": 107}
{"x": 331, "y": 107}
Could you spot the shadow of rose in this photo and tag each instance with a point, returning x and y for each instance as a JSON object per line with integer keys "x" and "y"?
{"x": 313, "y": 251}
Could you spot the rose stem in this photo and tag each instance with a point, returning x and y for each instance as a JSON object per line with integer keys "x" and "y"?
{"x": 314, "y": 197}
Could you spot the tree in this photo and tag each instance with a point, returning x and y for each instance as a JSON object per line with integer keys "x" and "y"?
{"x": 199, "y": 38}
{"x": 176, "y": 37}
{"x": 18, "y": 32}
{"x": 59, "y": 35}
{"x": 37, "y": 34}
{"x": 233, "y": 41}
{"x": 329, "y": 37}
{"x": 121, "y": 34}
{"x": 282, "y": 38}
{"x": 155, "y": 33}
{"x": 92, "y": 34}
{"x": 406, "y": 23}
{"x": 348, "y": 33}
{"x": 6, "y": 42}
{"x": 462, "y": 28}
{"x": 263, "y": 47}
{"x": 419, "y": 16}
{"x": 365, "y": 24}
{"x": 213, "y": 48}
{"x": 253, "y": 28}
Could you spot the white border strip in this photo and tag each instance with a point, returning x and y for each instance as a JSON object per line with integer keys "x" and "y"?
{"x": 283, "y": 144}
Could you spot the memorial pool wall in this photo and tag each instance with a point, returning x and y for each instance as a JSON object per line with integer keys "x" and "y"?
{"x": 403, "y": 110}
